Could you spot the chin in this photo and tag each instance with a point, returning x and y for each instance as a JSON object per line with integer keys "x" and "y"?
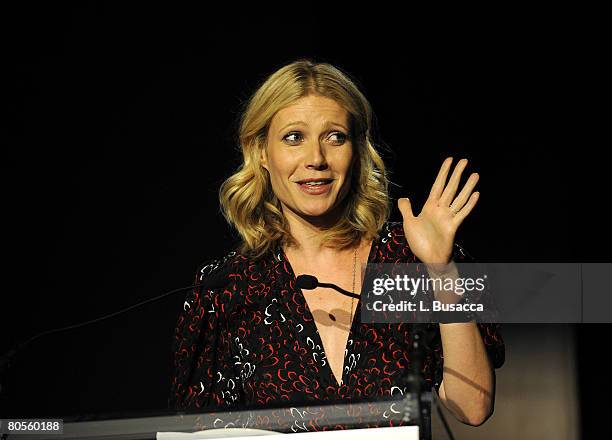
{"x": 321, "y": 212}
{"x": 315, "y": 213}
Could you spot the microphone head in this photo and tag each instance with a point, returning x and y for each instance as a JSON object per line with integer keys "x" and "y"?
{"x": 307, "y": 282}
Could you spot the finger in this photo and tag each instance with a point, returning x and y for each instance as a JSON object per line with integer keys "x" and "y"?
{"x": 453, "y": 183}
{"x": 438, "y": 185}
{"x": 405, "y": 207}
{"x": 465, "y": 211}
{"x": 465, "y": 193}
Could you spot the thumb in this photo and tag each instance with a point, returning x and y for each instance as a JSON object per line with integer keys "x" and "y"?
{"x": 405, "y": 207}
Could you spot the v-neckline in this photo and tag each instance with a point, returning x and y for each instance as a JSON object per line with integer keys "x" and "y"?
{"x": 308, "y": 313}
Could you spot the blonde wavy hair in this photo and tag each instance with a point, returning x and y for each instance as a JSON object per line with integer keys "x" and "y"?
{"x": 246, "y": 198}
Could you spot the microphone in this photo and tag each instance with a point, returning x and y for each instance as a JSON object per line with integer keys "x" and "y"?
{"x": 310, "y": 282}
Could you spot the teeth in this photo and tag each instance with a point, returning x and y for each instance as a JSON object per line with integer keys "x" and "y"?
{"x": 315, "y": 183}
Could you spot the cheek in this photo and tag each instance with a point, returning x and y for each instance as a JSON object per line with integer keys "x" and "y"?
{"x": 349, "y": 168}
{"x": 281, "y": 166}
{"x": 280, "y": 174}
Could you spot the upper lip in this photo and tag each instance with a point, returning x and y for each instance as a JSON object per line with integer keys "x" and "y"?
{"x": 315, "y": 179}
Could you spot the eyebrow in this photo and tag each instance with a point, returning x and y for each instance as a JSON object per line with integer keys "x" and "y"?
{"x": 327, "y": 124}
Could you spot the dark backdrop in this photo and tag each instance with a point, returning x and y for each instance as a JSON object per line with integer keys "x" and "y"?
{"x": 120, "y": 126}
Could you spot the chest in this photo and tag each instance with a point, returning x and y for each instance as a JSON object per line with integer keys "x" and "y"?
{"x": 331, "y": 310}
{"x": 333, "y": 314}
{"x": 285, "y": 343}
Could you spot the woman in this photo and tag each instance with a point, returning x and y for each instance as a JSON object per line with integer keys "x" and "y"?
{"x": 311, "y": 197}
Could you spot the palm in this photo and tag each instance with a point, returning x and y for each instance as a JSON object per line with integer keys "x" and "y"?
{"x": 431, "y": 234}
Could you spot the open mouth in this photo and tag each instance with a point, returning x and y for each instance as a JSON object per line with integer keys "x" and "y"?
{"x": 315, "y": 187}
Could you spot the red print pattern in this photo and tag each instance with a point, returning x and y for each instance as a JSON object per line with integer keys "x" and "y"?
{"x": 254, "y": 342}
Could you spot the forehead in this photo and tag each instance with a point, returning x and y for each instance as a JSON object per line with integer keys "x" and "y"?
{"x": 312, "y": 109}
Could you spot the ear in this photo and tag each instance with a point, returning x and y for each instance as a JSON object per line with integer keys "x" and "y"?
{"x": 263, "y": 158}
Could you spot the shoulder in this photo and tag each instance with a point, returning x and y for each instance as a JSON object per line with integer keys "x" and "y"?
{"x": 213, "y": 284}
{"x": 217, "y": 272}
{"x": 392, "y": 244}
{"x": 395, "y": 244}
{"x": 213, "y": 266}
{"x": 393, "y": 228}
{"x": 235, "y": 269}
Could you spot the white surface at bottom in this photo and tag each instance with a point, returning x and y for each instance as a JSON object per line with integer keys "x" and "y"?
{"x": 388, "y": 433}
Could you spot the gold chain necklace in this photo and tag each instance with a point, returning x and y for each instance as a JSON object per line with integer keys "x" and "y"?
{"x": 331, "y": 316}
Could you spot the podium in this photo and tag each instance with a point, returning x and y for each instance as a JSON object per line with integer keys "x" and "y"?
{"x": 389, "y": 416}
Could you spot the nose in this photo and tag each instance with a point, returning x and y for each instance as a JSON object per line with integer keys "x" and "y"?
{"x": 315, "y": 156}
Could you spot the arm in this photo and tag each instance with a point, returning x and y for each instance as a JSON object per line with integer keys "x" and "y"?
{"x": 468, "y": 385}
{"x": 203, "y": 374}
{"x": 467, "y": 373}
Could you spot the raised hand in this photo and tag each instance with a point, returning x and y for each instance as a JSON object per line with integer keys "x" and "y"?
{"x": 431, "y": 234}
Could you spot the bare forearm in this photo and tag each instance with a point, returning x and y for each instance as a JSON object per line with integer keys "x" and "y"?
{"x": 467, "y": 375}
{"x": 467, "y": 386}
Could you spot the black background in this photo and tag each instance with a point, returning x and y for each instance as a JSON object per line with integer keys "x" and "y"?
{"x": 120, "y": 125}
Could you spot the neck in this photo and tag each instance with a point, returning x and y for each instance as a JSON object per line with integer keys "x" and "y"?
{"x": 308, "y": 233}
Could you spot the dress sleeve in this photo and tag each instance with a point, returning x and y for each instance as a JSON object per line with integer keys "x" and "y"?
{"x": 491, "y": 334}
{"x": 203, "y": 375}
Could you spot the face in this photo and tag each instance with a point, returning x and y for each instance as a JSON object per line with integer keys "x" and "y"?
{"x": 309, "y": 139}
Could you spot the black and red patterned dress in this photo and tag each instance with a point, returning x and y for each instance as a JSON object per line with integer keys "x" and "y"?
{"x": 252, "y": 341}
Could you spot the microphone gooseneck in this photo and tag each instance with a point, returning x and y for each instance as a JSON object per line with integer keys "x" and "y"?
{"x": 310, "y": 282}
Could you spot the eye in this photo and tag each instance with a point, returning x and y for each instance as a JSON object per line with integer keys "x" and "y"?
{"x": 295, "y": 135}
{"x": 341, "y": 137}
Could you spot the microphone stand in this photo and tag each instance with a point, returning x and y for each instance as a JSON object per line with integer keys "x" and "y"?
{"x": 414, "y": 384}
{"x": 413, "y": 380}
